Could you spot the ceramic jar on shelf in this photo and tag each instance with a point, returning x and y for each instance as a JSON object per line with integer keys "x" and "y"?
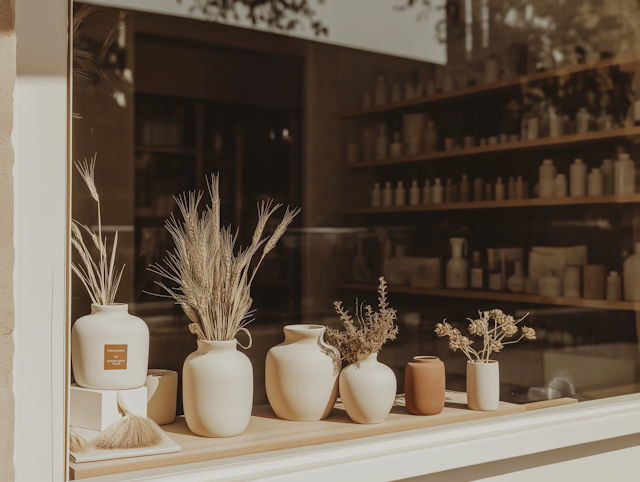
{"x": 217, "y": 389}
{"x": 424, "y": 385}
{"x": 368, "y": 389}
{"x": 110, "y": 349}
{"x": 302, "y": 374}
{"x": 483, "y": 385}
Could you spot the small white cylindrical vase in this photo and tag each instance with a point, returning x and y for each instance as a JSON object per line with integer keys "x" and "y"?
{"x": 301, "y": 374}
{"x": 110, "y": 349}
{"x": 217, "y": 389}
{"x": 369, "y": 390}
{"x": 162, "y": 394}
{"x": 483, "y": 385}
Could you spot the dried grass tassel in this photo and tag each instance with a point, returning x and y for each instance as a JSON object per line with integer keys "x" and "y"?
{"x": 77, "y": 444}
{"x": 130, "y": 432}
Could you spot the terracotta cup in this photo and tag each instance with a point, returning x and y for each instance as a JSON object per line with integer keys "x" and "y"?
{"x": 424, "y": 385}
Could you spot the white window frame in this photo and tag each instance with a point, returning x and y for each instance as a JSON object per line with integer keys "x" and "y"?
{"x": 42, "y": 186}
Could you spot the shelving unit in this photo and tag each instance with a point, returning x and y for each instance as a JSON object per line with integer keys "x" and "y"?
{"x": 546, "y": 142}
{"x": 512, "y": 203}
{"x": 500, "y": 296}
{"x": 166, "y": 150}
{"x": 490, "y": 87}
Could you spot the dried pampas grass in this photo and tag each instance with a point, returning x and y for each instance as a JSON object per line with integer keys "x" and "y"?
{"x": 100, "y": 278}
{"x": 213, "y": 281}
{"x": 130, "y": 432}
{"x": 77, "y": 444}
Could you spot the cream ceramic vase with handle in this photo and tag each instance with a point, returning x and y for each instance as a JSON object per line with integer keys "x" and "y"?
{"x": 217, "y": 389}
{"x": 110, "y": 349}
{"x": 483, "y": 385}
{"x": 369, "y": 390}
{"x": 302, "y": 374}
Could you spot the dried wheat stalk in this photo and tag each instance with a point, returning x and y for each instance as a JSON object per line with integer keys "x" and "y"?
{"x": 213, "y": 281}
{"x": 100, "y": 278}
{"x": 77, "y": 444}
{"x": 371, "y": 332}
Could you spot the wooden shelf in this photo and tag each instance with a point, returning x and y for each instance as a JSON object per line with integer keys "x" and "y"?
{"x": 166, "y": 150}
{"x": 489, "y": 88}
{"x": 500, "y": 296}
{"x": 267, "y": 433}
{"x": 546, "y": 142}
{"x": 513, "y": 203}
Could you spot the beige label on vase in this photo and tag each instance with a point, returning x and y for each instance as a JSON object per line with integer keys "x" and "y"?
{"x": 115, "y": 357}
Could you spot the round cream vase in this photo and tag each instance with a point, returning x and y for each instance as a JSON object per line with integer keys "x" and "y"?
{"x": 368, "y": 391}
{"x": 110, "y": 349}
{"x": 483, "y": 385}
{"x": 301, "y": 375}
{"x": 217, "y": 389}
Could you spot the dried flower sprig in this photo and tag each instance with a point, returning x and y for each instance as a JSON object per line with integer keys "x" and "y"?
{"x": 100, "y": 278}
{"x": 369, "y": 334}
{"x": 213, "y": 282}
{"x": 494, "y": 326}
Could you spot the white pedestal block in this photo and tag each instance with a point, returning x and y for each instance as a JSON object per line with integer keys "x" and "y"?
{"x": 97, "y": 409}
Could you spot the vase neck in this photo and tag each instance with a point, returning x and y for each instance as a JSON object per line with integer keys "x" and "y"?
{"x": 425, "y": 359}
{"x": 368, "y": 358}
{"x": 206, "y": 346}
{"x": 304, "y": 334}
{"x": 116, "y": 308}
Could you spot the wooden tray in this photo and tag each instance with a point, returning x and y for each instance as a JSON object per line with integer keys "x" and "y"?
{"x": 266, "y": 433}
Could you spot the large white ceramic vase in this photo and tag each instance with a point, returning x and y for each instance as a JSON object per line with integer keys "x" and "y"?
{"x": 110, "y": 349}
{"x": 369, "y": 390}
{"x": 301, "y": 374}
{"x": 483, "y": 385}
{"x": 217, "y": 389}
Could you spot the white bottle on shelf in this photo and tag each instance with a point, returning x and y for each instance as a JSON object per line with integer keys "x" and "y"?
{"x": 624, "y": 175}
{"x": 426, "y": 192}
{"x": 578, "y": 178}
{"x": 382, "y": 143}
{"x": 437, "y": 192}
{"x": 477, "y": 273}
{"x": 560, "y": 185}
{"x": 387, "y": 195}
{"x": 499, "y": 190}
{"x": 571, "y": 282}
{"x": 614, "y": 288}
{"x": 414, "y": 193}
{"x": 448, "y": 191}
{"x": 400, "y": 195}
{"x": 595, "y": 183}
{"x": 519, "y": 188}
{"x": 465, "y": 189}
{"x": 550, "y": 285}
{"x": 631, "y": 276}
{"x": 430, "y": 137}
{"x": 555, "y": 123}
{"x": 582, "y": 121}
{"x": 376, "y": 195}
{"x": 478, "y": 189}
{"x": 457, "y": 266}
{"x": 511, "y": 188}
{"x": 607, "y": 170}
{"x": 396, "y": 147}
{"x": 515, "y": 283}
{"x": 533, "y": 128}
{"x": 547, "y": 174}
{"x": 381, "y": 90}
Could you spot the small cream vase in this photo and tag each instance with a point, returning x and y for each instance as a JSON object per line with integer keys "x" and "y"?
{"x": 368, "y": 391}
{"x": 483, "y": 385}
{"x": 110, "y": 349}
{"x": 217, "y": 389}
{"x": 301, "y": 377}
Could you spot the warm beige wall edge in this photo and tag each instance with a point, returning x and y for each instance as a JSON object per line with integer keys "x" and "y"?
{"x": 7, "y": 79}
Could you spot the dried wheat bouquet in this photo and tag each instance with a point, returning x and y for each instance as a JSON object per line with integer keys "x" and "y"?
{"x": 100, "y": 278}
{"x": 371, "y": 331}
{"x": 213, "y": 280}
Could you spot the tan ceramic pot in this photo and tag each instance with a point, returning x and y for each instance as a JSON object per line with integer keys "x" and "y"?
{"x": 424, "y": 385}
{"x": 301, "y": 375}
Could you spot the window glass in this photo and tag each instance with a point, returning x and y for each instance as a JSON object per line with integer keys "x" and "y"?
{"x": 478, "y": 154}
